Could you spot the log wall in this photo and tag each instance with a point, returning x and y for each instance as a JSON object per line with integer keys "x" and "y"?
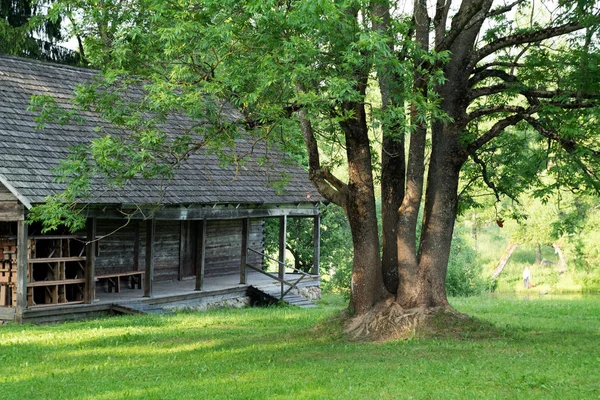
{"x": 223, "y": 241}
{"x": 10, "y": 208}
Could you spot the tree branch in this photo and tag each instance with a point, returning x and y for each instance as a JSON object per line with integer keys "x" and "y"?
{"x": 467, "y": 11}
{"x": 497, "y": 64}
{"x": 521, "y": 38}
{"x": 440, "y": 19}
{"x": 567, "y": 144}
{"x": 495, "y": 131}
{"x": 491, "y": 73}
{"x": 487, "y": 91}
{"x": 330, "y": 187}
{"x": 486, "y": 177}
{"x": 482, "y": 112}
{"x": 504, "y": 9}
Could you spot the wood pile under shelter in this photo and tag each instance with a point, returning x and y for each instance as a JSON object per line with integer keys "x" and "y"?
{"x": 201, "y": 226}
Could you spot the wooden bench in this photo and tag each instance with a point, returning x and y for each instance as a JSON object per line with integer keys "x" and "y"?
{"x": 114, "y": 280}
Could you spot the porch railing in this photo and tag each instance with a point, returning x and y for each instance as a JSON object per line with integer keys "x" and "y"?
{"x": 281, "y": 276}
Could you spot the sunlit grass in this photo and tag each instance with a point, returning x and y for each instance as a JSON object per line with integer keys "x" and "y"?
{"x": 539, "y": 348}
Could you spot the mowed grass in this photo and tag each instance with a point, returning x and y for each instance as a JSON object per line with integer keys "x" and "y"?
{"x": 538, "y": 348}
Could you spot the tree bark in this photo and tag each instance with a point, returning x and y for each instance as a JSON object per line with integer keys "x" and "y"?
{"x": 393, "y": 167}
{"x": 409, "y": 209}
{"x": 367, "y": 281}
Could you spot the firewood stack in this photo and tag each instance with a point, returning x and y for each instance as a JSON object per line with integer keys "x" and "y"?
{"x": 8, "y": 271}
{"x": 8, "y": 274}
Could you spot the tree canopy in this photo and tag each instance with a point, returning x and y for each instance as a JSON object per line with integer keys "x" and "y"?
{"x": 473, "y": 95}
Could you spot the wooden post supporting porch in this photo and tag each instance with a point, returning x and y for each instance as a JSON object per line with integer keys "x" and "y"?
{"x": 317, "y": 245}
{"x": 244, "y": 257}
{"x": 282, "y": 243}
{"x": 200, "y": 255}
{"x": 22, "y": 266}
{"x": 90, "y": 262}
{"x": 149, "y": 273}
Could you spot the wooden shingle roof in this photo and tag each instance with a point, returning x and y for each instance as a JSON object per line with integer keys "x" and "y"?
{"x": 27, "y": 155}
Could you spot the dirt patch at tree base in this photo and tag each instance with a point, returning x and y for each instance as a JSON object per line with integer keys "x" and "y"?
{"x": 389, "y": 321}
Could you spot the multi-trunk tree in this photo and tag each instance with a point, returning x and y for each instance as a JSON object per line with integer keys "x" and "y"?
{"x": 430, "y": 101}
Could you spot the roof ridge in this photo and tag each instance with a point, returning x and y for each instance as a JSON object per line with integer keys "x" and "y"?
{"x": 50, "y": 64}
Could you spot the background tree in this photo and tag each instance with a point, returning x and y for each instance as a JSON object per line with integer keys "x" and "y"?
{"x": 471, "y": 91}
{"x": 25, "y": 32}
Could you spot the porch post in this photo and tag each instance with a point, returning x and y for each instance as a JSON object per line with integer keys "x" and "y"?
{"x": 184, "y": 226}
{"x": 282, "y": 242}
{"x": 317, "y": 245}
{"x": 244, "y": 258}
{"x": 200, "y": 255}
{"x": 90, "y": 261}
{"x": 149, "y": 273}
{"x": 22, "y": 266}
{"x": 136, "y": 245}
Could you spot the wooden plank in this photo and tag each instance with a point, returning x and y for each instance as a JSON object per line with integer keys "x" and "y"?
{"x": 7, "y": 314}
{"x": 317, "y": 245}
{"x": 11, "y": 212}
{"x": 149, "y": 276}
{"x": 200, "y": 255}
{"x": 55, "y": 259}
{"x": 131, "y": 273}
{"x": 209, "y": 213}
{"x": 55, "y": 283}
{"x": 244, "y": 248}
{"x": 22, "y": 266}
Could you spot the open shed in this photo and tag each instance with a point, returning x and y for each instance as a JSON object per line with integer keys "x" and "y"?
{"x": 205, "y": 227}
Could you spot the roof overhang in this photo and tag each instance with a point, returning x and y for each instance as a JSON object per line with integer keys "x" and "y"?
{"x": 24, "y": 200}
{"x": 203, "y": 212}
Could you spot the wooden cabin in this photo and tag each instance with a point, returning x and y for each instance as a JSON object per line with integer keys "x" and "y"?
{"x": 200, "y": 240}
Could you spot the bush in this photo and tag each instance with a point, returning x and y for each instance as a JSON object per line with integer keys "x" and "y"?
{"x": 465, "y": 274}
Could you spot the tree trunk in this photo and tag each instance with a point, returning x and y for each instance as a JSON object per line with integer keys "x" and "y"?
{"x": 538, "y": 254}
{"x": 561, "y": 257}
{"x": 367, "y": 280}
{"x": 504, "y": 260}
{"x": 393, "y": 166}
{"x": 441, "y": 203}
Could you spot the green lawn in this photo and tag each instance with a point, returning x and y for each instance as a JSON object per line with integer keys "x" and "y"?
{"x": 543, "y": 348}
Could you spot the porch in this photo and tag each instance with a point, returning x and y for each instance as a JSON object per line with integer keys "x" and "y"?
{"x": 217, "y": 291}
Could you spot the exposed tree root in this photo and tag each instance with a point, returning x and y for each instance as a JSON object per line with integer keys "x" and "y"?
{"x": 388, "y": 321}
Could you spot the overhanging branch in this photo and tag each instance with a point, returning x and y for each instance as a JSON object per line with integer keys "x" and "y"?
{"x": 521, "y": 38}
{"x": 495, "y": 131}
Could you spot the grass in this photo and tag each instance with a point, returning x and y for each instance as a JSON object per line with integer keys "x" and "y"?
{"x": 539, "y": 348}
